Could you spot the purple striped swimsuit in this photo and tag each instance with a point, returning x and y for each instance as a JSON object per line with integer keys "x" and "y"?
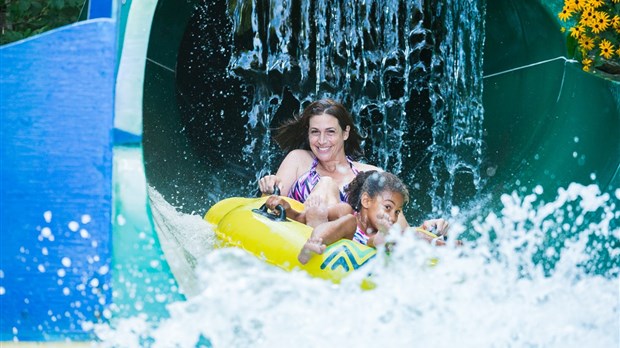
{"x": 305, "y": 184}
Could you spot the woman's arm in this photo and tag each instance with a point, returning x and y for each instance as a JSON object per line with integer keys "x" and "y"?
{"x": 438, "y": 227}
{"x": 293, "y": 165}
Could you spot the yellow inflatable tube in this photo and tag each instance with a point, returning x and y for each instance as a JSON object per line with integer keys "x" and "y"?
{"x": 245, "y": 223}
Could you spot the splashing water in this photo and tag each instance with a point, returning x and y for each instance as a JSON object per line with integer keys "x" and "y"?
{"x": 496, "y": 291}
{"x": 532, "y": 273}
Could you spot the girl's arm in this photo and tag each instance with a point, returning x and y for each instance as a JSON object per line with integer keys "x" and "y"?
{"x": 273, "y": 201}
{"x": 332, "y": 231}
{"x": 333, "y": 212}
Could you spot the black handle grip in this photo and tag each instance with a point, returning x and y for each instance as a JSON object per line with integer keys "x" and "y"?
{"x": 264, "y": 211}
{"x": 276, "y": 191}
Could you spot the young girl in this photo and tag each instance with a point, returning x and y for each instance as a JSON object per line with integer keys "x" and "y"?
{"x": 375, "y": 200}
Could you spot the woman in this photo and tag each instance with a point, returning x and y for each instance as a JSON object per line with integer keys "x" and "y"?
{"x": 322, "y": 144}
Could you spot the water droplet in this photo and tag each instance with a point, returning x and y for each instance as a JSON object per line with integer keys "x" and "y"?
{"x": 86, "y": 218}
{"x": 66, "y": 261}
{"x": 47, "y": 216}
{"x": 46, "y": 232}
{"x": 74, "y": 226}
{"x": 120, "y": 219}
{"x": 538, "y": 190}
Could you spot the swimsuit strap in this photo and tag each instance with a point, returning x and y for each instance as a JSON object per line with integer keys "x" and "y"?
{"x": 360, "y": 235}
{"x": 355, "y": 170}
{"x": 313, "y": 165}
{"x": 302, "y": 187}
{"x": 343, "y": 196}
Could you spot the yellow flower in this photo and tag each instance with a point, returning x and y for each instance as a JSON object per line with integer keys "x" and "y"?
{"x": 615, "y": 22}
{"x": 616, "y": 1}
{"x": 607, "y": 49}
{"x": 601, "y": 22}
{"x": 576, "y": 31}
{"x": 586, "y": 61}
{"x": 595, "y": 3}
{"x": 586, "y": 68}
{"x": 574, "y": 4}
{"x": 587, "y": 43}
{"x": 562, "y": 30}
{"x": 587, "y": 16}
{"x": 618, "y": 51}
{"x": 565, "y": 14}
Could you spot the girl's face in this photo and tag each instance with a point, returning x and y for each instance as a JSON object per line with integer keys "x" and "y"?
{"x": 383, "y": 210}
{"x": 325, "y": 136}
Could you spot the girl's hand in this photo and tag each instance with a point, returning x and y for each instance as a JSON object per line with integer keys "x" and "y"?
{"x": 267, "y": 183}
{"x": 383, "y": 222}
{"x": 273, "y": 201}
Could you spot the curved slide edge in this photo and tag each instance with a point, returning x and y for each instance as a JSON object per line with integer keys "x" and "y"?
{"x": 78, "y": 245}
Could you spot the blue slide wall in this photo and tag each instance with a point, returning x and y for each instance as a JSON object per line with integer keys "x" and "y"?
{"x": 57, "y": 114}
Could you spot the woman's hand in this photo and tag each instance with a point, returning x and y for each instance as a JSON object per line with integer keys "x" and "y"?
{"x": 436, "y": 226}
{"x": 267, "y": 183}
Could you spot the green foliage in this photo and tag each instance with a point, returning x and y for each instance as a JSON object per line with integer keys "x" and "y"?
{"x": 23, "y": 18}
{"x": 573, "y": 48}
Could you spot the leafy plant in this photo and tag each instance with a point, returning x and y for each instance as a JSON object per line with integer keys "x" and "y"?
{"x": 20, "y": 19}
{"x": 593, "y": 28}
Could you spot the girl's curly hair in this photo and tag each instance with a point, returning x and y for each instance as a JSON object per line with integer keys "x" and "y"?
{"x": 374, "y": 182}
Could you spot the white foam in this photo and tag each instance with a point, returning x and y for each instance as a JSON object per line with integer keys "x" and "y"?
{"x": 490, "y": 295}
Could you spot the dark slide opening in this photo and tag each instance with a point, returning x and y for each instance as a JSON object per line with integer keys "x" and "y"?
{"x": 549, "y": 124}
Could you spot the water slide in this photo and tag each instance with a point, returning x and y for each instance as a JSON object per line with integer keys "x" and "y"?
{"x": 84, "y": 134}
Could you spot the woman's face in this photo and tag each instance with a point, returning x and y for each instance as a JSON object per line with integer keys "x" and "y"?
{"x": 325, "y": 137}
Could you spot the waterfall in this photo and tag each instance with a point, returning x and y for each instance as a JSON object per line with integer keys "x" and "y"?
{"x": 410, "y": 73}
{"x": 456, "y": 97}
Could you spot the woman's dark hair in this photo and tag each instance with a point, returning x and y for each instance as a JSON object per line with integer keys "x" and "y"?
{"x": 293, "y": 133}
{"x": 373, "y": 182}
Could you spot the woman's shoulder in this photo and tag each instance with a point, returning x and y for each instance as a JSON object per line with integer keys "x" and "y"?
{"x": 299, "y": 158}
